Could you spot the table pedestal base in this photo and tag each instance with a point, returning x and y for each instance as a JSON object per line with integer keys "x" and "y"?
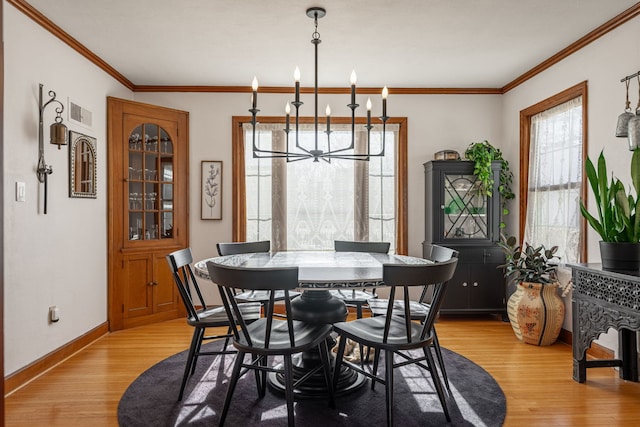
{"x": 315, "y": 386}
{"x": 317, "y": 306}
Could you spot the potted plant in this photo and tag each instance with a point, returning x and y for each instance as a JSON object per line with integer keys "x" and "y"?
{"x": 618, "y": 221}
{"x": 535, "y": 310}
{"x": 482, "y": 154}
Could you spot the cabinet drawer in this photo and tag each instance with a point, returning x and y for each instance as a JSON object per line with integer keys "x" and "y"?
{"x": 481, "y": 255}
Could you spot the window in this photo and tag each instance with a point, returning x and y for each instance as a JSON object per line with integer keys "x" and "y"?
{"x": 553, "y": 147}
{"x": 306, "y": 205}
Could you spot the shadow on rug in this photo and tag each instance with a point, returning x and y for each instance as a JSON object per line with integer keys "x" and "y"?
{"x": 151, "y": 399}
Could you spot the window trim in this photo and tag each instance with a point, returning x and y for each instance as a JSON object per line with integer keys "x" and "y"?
{"x": 525, "y": 142}
{"x": 239, "y": 186}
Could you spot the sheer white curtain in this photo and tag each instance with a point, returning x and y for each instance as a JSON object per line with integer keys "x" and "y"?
{"x": 555, "y": 179}
{"x": 306, "y": 205}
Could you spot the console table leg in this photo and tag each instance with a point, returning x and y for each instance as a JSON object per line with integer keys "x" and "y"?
{"x": 579, "y": 356}
{"x": 627, "y": 346}
{"x": 579, "y": 370}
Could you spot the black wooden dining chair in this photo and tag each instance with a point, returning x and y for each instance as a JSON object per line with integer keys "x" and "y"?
{"x": 353, "y": 297}
{"x": 397, "y": 335}
{"x": 235, "y": 248}
{"x": 420, "y": 308}
{"x": 269, "y": 336}
{"x": 204, "y": 316}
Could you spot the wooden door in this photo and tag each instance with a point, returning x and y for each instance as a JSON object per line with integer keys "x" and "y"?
{"x": 147, "y": 210}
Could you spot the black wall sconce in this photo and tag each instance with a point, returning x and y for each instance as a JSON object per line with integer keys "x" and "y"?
{"x": 58, "y": 134}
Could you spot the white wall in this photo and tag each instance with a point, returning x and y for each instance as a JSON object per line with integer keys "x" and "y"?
{"x": 59, "y": 258}
{"x": 602, "y": 63}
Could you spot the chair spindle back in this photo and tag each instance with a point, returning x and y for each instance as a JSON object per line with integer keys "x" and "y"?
{"x": 235, "y": 248}
{"x": 408, "y": 275}
{"x": 228, "y": 278}
{"x": 180, "y": 264}
{"x": 353, "y": 246}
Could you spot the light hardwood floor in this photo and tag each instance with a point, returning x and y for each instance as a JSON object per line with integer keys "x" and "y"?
{"x": 85, "y": 389}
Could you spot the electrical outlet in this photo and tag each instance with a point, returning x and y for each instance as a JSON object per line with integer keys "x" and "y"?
{"x": 54, "y": 314}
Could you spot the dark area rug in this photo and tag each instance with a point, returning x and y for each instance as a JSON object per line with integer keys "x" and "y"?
{"x": 151, "y": 399}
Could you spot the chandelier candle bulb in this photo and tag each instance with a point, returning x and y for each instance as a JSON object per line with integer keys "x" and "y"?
{"x": 254, "y": 97}
{"x": 385, "y": 93}
{"x": 328, "y": 111}
{"x": 368, "y": 111}
{"x": 287, "y": 110}
{"x": 353, "y": 87}
{"x": 296, "y": 77}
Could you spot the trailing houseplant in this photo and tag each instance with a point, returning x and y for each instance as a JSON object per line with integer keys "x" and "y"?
{"x": 618, "y": 214}
{"x": 535, "y": 310}
{"x": 482, "y": 154}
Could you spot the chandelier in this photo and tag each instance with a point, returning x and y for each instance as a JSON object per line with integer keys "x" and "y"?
{"x": 320, "y": 150}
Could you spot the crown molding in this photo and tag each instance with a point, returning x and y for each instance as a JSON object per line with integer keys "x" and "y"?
{"x": 594, "y": 35}
{"x": 58, "y": 32}
{"x": 326, "y": 90}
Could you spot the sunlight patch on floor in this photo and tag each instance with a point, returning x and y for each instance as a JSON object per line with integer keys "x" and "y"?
{"x": 421, "y": 385}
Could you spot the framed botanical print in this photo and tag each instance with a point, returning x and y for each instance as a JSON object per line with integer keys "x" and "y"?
{"x": 211, "y": 189}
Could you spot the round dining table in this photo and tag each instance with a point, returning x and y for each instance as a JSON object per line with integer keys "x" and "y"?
{"x": 318, "y": 273}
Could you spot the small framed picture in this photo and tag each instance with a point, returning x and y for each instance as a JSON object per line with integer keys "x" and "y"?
{"x": 82, "y": 166}
{"x": 211, "y": 189}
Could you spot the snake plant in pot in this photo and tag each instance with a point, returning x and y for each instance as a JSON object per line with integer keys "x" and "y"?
{"x": 618, "y": 215}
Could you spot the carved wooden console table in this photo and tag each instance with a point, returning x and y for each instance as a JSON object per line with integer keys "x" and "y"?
{"x": 602, "y": 300}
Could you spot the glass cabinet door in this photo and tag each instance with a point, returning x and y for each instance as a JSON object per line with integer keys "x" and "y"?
{"x": 464, "y": 208}
{"x": 150, "y": 192}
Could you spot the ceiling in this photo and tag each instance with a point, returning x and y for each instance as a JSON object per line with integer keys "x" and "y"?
{"x": 410, "y": 44}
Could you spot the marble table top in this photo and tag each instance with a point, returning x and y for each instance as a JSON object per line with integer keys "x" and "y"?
{"x": 319, "y": 270}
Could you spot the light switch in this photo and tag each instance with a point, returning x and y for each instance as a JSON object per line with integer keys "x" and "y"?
{"x": 21, "y": 192}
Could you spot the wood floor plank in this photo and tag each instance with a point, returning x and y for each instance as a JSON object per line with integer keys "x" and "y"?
{"x": 85, "y": 389}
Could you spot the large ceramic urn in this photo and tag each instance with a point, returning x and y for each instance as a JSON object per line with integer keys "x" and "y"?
{"x": 536, "y": 313}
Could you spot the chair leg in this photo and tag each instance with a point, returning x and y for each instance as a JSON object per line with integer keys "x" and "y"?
{"x": 376, "y": 361}
{"x": 197, "y": 350}
{"x": 339, "y": 355}
{"x": 388, "y": 361}
{"x": 288, "y": 380}
{"x": 326, "y": 365}
{"x": 256, "y": 373}
{"x": 438, "y": 384}
{"x": 235, "y": 375}
{"x": 360, "y": 346}
{"x": 227, "y": 339}
{"x": 263, "y": 376}
{"x": 443, "y": 369}
{"x": 190, "y": 361}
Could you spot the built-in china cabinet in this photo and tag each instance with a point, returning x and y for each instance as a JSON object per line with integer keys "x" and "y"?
{"x": 147, "y": 185}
